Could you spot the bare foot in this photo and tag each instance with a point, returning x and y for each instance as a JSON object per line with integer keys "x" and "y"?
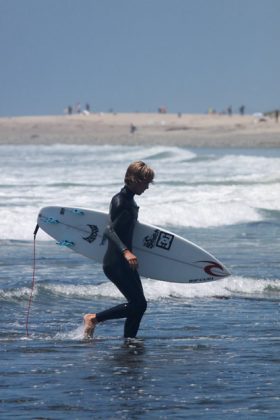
{"x": 89, "y": 325}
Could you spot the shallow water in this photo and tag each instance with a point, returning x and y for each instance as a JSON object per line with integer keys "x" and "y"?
{"x": 204, "y": 350}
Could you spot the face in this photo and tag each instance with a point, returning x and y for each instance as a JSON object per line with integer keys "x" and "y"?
{"x": 139, "y": 187}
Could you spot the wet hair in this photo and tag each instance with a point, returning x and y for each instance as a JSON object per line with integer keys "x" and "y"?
{"x": 138, "y": 172}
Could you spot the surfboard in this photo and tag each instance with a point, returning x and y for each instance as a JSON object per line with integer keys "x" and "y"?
{"x": 162, "y": 255}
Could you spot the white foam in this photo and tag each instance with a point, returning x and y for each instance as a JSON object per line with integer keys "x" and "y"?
{"x": 208, "y": 206}
{"x": 147, "y": 154}
{"x": 189, "y": 191}
{"x": 229, "y": 287}
{"x": 247, "y": 168}
{"x": 75, "y": 334}
{"x": 234, "y": 286}
{"x": 157, "y": 290}
{"x": 104, "y": 290}
{"x": 17, "y": 294}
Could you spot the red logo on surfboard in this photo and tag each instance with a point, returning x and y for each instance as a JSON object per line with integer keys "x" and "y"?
{"x": 211, "y": 267}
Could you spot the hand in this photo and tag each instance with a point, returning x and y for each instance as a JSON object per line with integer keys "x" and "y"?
{"x": 131, "y": 259}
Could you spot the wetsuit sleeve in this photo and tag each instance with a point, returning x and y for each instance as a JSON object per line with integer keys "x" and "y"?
{"x": 118, "y": 224}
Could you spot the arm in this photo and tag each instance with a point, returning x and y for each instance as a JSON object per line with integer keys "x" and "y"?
{"x": 111, "y": 234}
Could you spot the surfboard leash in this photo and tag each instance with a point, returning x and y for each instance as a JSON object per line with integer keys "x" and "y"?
{"x": 33, "y": 279}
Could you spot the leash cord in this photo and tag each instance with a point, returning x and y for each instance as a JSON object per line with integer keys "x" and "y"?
{"x": 33, "y": 280}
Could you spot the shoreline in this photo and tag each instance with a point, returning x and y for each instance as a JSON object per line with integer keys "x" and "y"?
{"x": 191, "y": 130}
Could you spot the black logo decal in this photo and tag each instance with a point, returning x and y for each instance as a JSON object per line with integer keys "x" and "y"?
{"x": 160, "y": 239}
{"x": 94, "y": 231}
{"x": 212, "y": 267}
{"x": 165, "y": 240}
{"x": 150, "y": 241}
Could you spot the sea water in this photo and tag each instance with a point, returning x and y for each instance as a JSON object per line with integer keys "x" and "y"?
{"x": 206, "y": 350}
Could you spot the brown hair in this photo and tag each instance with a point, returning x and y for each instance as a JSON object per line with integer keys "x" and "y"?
{"x": 138, "y": 172}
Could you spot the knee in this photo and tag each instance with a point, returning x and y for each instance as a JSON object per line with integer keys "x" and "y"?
{"x": 140, "y": 306}
{"x": 144, "y": 305}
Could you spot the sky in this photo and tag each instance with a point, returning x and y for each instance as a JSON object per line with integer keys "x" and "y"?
{"x": 139, "y": 55}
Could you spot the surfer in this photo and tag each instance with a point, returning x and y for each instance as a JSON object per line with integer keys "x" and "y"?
{"x": 119, "y": 263}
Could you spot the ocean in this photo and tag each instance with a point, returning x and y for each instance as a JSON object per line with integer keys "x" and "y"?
{"x": 204, "y": 350}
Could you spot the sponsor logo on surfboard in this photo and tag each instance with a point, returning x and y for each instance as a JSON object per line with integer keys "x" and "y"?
{"x": 159, "y": 239}
{"x": 213, "y": 269}
{"x": 93, "y": 234}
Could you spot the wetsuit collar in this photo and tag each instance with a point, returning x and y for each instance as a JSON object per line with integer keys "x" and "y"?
{"x": 128, "y": 192}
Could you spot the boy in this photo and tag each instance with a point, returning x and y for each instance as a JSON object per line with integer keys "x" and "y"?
{"x": 119, "y": 263}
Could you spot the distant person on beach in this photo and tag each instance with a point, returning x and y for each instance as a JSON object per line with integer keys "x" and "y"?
{"x": 120, "y": 264}
{"x": 242, "y": 110}
{"x": 277, "y": 115}
{"x": 133, "y": 128}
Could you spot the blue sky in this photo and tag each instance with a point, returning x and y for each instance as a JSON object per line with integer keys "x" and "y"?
{"x": 137, "y": 55}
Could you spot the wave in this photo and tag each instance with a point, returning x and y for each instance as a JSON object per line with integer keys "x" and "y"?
{"x": 165, "y": 205}
{"x": 16, "y": 294}
{"x": 270, "y": 214}
{"x": 200, "y": 190}
{"x": 232, "y": 287}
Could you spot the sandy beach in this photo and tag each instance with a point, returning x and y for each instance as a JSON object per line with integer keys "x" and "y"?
{"x": 150, "y": 129}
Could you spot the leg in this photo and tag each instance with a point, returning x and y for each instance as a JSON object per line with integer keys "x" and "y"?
{"x": 129, "y": 284}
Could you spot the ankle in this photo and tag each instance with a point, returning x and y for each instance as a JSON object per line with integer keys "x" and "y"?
{"x": 90, "y": 318}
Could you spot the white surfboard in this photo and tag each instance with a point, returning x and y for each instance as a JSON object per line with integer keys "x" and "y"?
{"x": 162, "y": 255}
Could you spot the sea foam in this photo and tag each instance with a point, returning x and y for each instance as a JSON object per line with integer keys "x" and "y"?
{"x": 191, "y": 189}
{"x": 234, "y": 286}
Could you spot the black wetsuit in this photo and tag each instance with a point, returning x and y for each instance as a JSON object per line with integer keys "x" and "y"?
{"x": 123, "y": 215}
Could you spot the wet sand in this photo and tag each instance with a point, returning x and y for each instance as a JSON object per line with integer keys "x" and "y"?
{"x": 190, "y": 130}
